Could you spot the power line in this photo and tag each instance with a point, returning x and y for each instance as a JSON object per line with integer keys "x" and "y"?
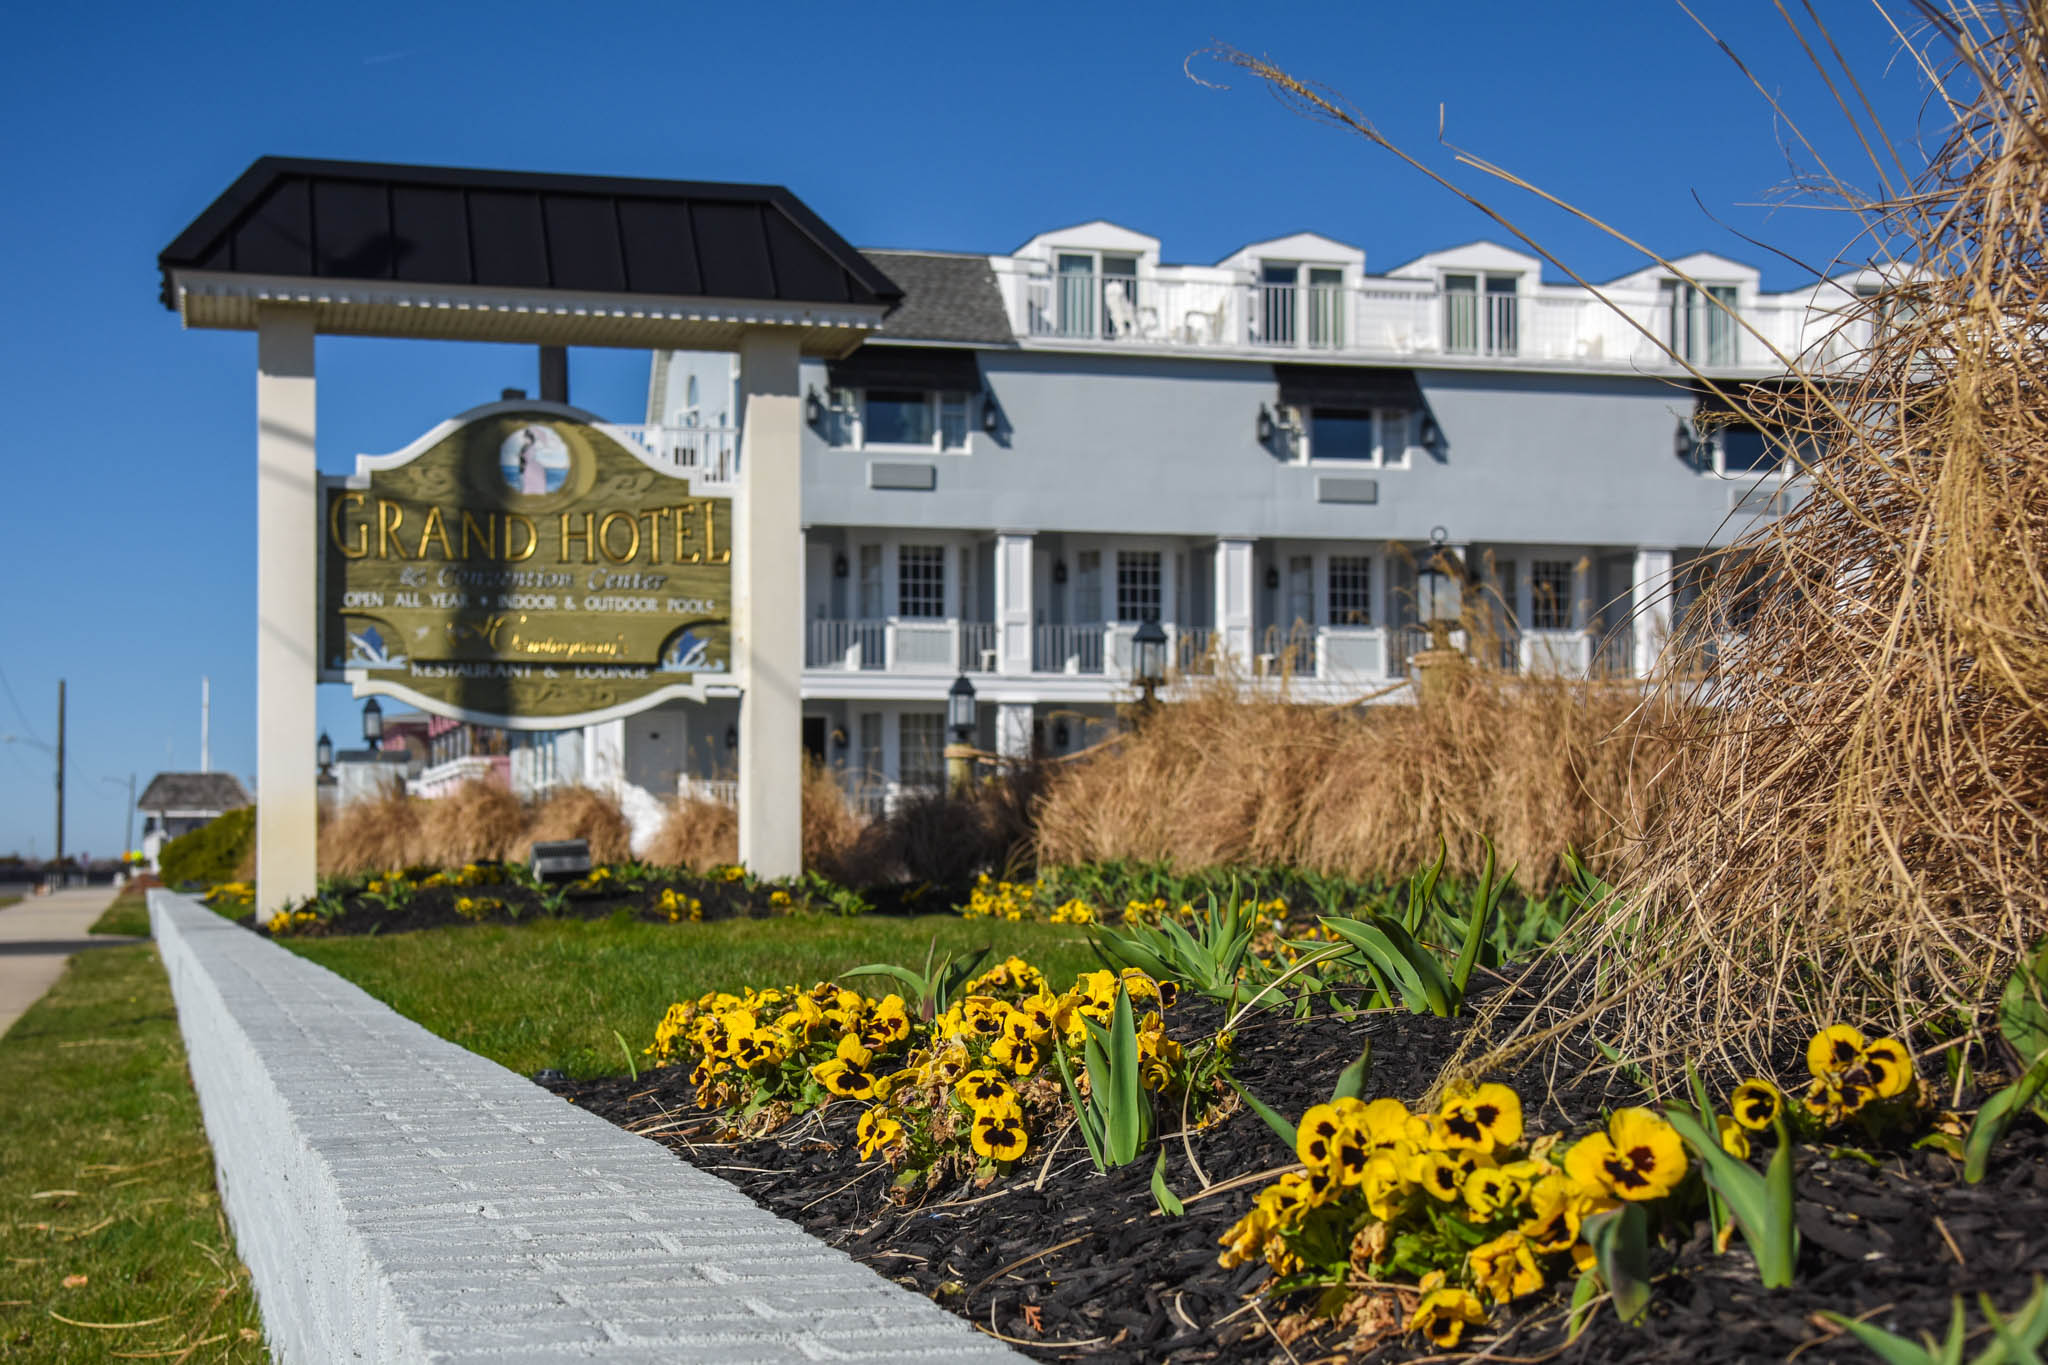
{"x": 20, "y": 714}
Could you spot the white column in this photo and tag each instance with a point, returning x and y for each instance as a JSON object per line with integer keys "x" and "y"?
{"x": 1650, "y": 596}
{"x": 287, "y": 609}
{"x": 1013, "y": 609}
{"x": 1013, "y": 729}
{"x": 1235, "y": 602}
{"x": 768, "y": 604}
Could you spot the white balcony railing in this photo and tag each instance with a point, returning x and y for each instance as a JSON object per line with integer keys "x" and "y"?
{"x": 1400, "y": 318}
{"x": 901, "y": 646}
{"x": 712, "y": 453}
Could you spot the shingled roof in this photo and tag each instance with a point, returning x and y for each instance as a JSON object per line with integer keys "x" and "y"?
{"x": 368, "y": 221}
{"x": 193, "y": 791}
{"x": 946, "y": 297}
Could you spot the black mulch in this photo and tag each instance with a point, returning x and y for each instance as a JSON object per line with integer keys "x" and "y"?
{"x": 1073, "y": 1264}
{"x": 433, "y": 907}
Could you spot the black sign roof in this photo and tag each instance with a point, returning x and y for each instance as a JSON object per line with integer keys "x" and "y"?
{"x": 348, "y": 220}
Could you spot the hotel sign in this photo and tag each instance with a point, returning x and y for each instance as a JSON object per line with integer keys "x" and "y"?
{"x": 526, "y": 566}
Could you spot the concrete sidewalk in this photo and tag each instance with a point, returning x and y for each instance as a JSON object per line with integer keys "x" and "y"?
{"x": 38, "y": 935}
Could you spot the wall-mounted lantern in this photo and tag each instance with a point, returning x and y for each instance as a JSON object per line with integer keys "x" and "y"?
{"x": 814, "y": 408}
{"x": 991, "y": 415}
{"x": 1059, "y": 572}
{"x": 1265, "y": 425}
{"x": 839, "y": 566}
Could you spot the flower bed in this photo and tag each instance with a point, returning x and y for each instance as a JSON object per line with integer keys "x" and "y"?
{"x": 1078, "y": 1263}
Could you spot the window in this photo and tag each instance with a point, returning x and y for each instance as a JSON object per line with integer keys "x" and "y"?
{"x": 921, "y": 749}
{"x": 1374, "y": 436}
{"x": 1277, "y": 303}
{"x": 1137, "y": 585}
{"x": 871, "y": 608}
{"x": 1480, "y": 314}
{"x": 1325, "y": 308}
{"x": 1092, "y": 299}
{"x": 1350, "y": 590}
{"x": 953, "y": 421}
{"x": 898, "y": 417}
{"x": 1341, "y": 434}
{"x": 1701, "y": 326}
{"x": 871, "y": 745}
{"x": 921, "y": 580}
{"x": 1743, "y": 450}
{"x": 1550, "y": 594}
{"x": 1088, "y": 587}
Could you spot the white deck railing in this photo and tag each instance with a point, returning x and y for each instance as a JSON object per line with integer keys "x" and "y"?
{"x": 1399, "y": 318}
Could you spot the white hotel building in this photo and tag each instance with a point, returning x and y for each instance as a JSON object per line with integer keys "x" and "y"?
{"x": 1041, "y": 450}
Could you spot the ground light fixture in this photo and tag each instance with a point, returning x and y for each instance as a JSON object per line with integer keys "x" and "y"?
{"x": 1148, "y": 659}
{"x": 373, "y": 723}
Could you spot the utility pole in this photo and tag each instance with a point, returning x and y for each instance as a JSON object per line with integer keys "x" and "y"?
{"x": 60, "y": 772}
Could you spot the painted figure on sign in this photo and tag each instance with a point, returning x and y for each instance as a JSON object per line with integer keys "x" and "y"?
{"x": 533, "y": 460}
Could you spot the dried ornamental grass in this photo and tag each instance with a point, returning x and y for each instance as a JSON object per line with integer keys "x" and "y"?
{"x": 480, "y": 821}
{"x": 1537, "y": 765}
{"x": 696, "y": 833}
{"x": 373, "y": 835}
{"x": 583, "y": 813}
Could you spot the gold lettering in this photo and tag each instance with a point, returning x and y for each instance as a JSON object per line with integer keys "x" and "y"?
{"x": 589, "y": 556}
{"x": 390, "y": 516}
{"x": 654, "y": 520}
{"x": 524, "y": 523}
{"x": 712, "y": 554}
{"x": 487, "y": 533}
{"x": 683, "y": 535}
{"x": 362, "y": 546}
{"x": 435, "y": 527}
{"x": 604, "y": 536}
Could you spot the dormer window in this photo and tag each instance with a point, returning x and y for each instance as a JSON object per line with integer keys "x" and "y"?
{"x": 1300, "y": 304}
{"x": 1096, "y": 295}
{"x": 1699, "y": 321}
{"x": 1480, "y": 314}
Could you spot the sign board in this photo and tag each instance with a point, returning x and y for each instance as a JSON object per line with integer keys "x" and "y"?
{"x": 525, "y": 565}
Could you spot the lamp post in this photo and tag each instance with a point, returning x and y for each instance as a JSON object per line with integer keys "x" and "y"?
{"x": 960, "y": 718}
{"x": 1148, "y": 662}
{"x": 373, "y": 723}
{"x": 323, "y": 754}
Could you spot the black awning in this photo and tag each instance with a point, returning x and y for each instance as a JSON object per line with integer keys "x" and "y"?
{"x": 1347, "y": 386}
{"x": 943, "y": 368}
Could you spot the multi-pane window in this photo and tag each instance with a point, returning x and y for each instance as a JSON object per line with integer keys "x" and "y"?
{"x": 1550, "y": 594}
{"x": 1350, "y": 590}
{"x": 921, "y": 748}
{"x": 1368, "y": 435}
{"x": 899, "y": 417}
{"x": 1137, "y": 585}
{"x": 921, "y": 580}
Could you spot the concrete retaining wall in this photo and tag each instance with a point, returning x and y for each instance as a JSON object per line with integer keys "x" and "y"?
{"x": 399, "y": 1199}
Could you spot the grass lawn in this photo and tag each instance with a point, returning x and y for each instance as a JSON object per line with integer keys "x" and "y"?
{"x": 108, "y": 1213}
{"x": 129, "y": 915}
{"x": 549, "y": 993}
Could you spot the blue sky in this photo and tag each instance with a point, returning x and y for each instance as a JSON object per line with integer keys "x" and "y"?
{"x": 130, "y": 490}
